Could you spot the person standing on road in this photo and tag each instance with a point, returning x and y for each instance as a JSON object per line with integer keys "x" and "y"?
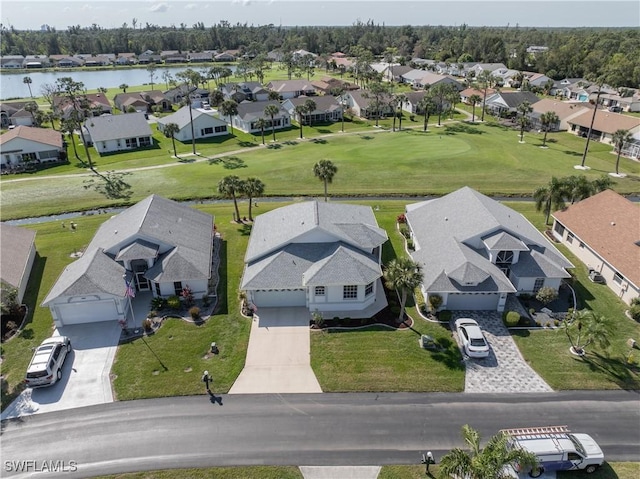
{"x": 206, "y": 379}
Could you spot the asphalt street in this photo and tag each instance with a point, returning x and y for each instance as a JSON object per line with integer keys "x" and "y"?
{"x": 299, "y": 429}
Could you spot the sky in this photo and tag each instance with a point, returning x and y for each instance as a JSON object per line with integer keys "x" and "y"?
{"x": 32, "y": 14}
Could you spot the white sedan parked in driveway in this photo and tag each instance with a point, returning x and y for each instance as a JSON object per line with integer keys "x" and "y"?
{"x": 471, "y": 338}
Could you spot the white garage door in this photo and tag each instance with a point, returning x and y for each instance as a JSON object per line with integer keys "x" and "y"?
{"x": 484, "y": 302}
{"x": 87, "y": 312}
{"x": 279, "y": 299}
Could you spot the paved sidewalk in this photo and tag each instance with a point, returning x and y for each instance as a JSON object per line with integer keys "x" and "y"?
{"x": 505, "y": 370}
{"x": 278, "y": 355}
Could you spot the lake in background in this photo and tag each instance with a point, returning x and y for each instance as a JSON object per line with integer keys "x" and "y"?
{"x": 12, "y": 86}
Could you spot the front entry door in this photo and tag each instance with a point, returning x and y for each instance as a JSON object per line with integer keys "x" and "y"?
{"x": 142, "y": 282}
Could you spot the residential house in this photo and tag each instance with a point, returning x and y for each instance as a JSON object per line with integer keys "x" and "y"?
{"x": 157, "y": 245}
{"x": 474, "y": 252}
{"x": 249, "y": 91}
{"x": 224, "y": 57}
{"x": 97, "y": 103}
{"x": 175, "y": 58}
{"x": 97, "y": 61}
{"x": 327, "y": 85}
{"x": 13, "y": 113}
{"x": 420, "y": 79}
{"x": 469, "y": 92}
{"x": 36, "y": 61}
{"x": 200, "y": 57}
{"x": 365, "y": 107}
{"x": 17, "y": 253}
{"x": 322, "y": 256}
{"x": 506, "y": 103}
{"x": 26, "y": 144}
{"x": 494, "y": 68}
{"x": 142, "y": 102}
{"x": 126, "y": 59}
{"x": 394, "y": 73}
{"x": 564, "y": 109}
{"x": 66, "y": 61}
{"x": 605, "y": 124}
{"x": 302, "y": 54}
{"x": 110, "y": 133}
{"x": 327, "y": 109}
{"x": 603, "y": 231}
{"x": 563, "y": 87}
{"x": 12, "y": 62}
{"x": 205, "y": 124}
{"x": 629, "y": 103}
{"x": 292, "y": 88}
{"x": 178, "y": 94}
{"x": 412, "y": 104}
{"x": 250, "y": 112}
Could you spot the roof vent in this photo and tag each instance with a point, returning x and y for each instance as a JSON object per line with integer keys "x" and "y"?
{"x": 446, "y": 219}
{"x": 115, "y": 232}
{"x": 613, "y": 223}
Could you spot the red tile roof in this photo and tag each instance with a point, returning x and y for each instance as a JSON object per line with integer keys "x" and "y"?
{"x": 610, "y": 225}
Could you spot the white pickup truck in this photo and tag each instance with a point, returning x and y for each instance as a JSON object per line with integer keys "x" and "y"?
{"x": 557, "y": 448}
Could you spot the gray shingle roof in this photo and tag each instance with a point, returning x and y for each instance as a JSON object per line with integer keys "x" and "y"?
{"x": 138, "y": 249}
{"x": 501, "y": 240}
{"x": 15, "y": 248}
{"x": 182, "y": 118}
{"x": 449, "y": 234}
{"x": 114, "y": 127}
{"x": 252, "y": 110}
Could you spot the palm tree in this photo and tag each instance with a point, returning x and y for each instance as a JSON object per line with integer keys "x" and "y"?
{"x": 301, "y": 111}
{"x": 602, "y": 183}
{"x": 229, "y": 108}
{"x": 311, "y": 106}
{"x": 325, "y": 170}
{"x": 426, "y": 105}
{"x": 272, "y": 111}
{"x": 486, "y": 80}
{"x": 550, "y": 196}
{"x": 261, "y": 123}
{"x": 587, "y": 327}
{"x": 474, "y": 100}
{"x": 578, "y": 188}
{"x": 32, "y": 107}
{"x": 401, "y": 99}
{"x": 252, "y": 187}
{"x": 491, "y": 461}
{"x": 547, "y": 119}
{"x": 404, "y": 276}
{"x": 593, "y": 119}
{"x": 620, "y": 137}
{"x": 123, "y": 87}
{"x": 28, "y": 81}
{"x": 170, "y": 129}
{"x": 228, "y": 187}
{"x": 524, "y": 109}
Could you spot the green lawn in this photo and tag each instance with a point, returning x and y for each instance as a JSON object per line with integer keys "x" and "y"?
{"x": 372, "y": 162}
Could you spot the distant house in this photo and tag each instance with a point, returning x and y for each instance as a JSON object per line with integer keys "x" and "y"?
{"x": 244, "y": 91}
{"x": 565, "y": 111}
{"x": 393, "y": 73}
{"x": 27, "y": 144}
{"x": 628, "y": 103}
{"x": 420, "y": 79}
{"x": 250, "y": 112}
{"x": 327, "y": 109}
{"x": 199, "y": 57}
{"x": 366, "y": 107}
{"x": 563, "y": 87}
{"x": 224, "y": 57}
{"x": 178, "y": 94}
{"x": 412, "y": 105}
{"x": 603, "y": 231}
{"x": 323, "y": 256}
{"x": 469, "y": 92}
{"x": 149, "y": 58}
{"x": 36, "y": 61}
{"x": 156, "y": 245}
{"x": 605, "y": 124}
{"x": 474, "y": 252}
{"x": 126, "y": 59}
{"x": 11, "y": 62}
{"x": 507, "y": 103}
{"x": 109, "y": 133}
{"x": 327, "y": 85}
{"x": 13, "y": 113}
{"x": 17, "y": 253}
{"x": 205, "y": 125}
{"x": 98, "y": 105}
{"x": 142, "y": 102}
{"x": 292, "y": 88}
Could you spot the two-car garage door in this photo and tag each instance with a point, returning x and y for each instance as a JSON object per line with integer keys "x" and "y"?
{"x": 471, "y": 302}
{"x": 279, "y": 299}
{"x": 87, "y": 312}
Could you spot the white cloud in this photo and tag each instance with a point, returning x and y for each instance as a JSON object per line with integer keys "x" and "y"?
{"x": 159, "y": 8}
{"x": 190, "y": 6}
{"x": 244, "y": 3}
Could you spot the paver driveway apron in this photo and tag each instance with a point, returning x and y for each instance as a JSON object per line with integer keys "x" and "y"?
{"x": 505, "y": 370}
{"x": 278, "y": 354}
{"x": 85, "y": 375}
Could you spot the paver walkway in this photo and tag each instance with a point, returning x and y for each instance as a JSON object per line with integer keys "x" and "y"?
{"x": 505, "y": 370}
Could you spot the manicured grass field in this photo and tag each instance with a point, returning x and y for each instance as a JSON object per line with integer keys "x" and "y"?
{"x": 372, "y": 162}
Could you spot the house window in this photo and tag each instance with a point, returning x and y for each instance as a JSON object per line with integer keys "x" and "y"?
{"x": 558, "y": 228}
{"x": 538, "y": 284}
{"x": 570, "y": 238}
{"x": 581, "y": 245}
{"x": 319, "y": 291}
{"x": 157, "y": 286}
{"x": 145, "y": 141}
{"x": 350, "y": 291}
{"x": 177, "y": 288}
{"x": 131, "y": 142}
{"x": 504, "y": 257}
{"x": 368, "y": 289}
{"x": 220, "y": 129}
{"x": 206, "y": 131}
{"x": 617, "y": 278}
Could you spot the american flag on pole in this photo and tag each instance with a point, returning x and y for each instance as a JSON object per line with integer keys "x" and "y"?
{"x": 129, "y": 291}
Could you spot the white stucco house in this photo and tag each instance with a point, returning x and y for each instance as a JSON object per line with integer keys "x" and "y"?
{"x": 603, "y": 231}
{"x": 205, "y": 124}
{"x": 474, "y": 251}
{"x": 323, "y": 256}
{"x": 157, "y": 245}
{"x": 110, "y": 133}
{"x": 28, "y": 144}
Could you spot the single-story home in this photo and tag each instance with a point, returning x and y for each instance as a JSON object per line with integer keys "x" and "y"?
{"x": 603, "y": 231}
{"x": 205, "y": 124}
{"x": 507, "y": 103}
{"x": 469, "y": 92}
{"x": 328, "y": 85}
{"x": 142, "y": 101}
{"x": 109, "y": 133}
{"x": 292, "y": 88}
{"x": 98, "y": 104}
{"x": 327, "y": 109}
{"x": 27, "y": 144}
{"x": 156, "y": 245}
{"x": 419, "y": 79}
{"x": 365, "y": 107}
{"x": 249, "y": 112}
{"x": 565, "y": 110}
{"x": 474, "y": 252}
{"x": 179, "y": 93}
{"x": 13, "y": 113}
{"x": 323, "y": 256}
{"x": 239, "y": 92}
{"x": 605, "y": 124}
{"x": 17, "y": 253}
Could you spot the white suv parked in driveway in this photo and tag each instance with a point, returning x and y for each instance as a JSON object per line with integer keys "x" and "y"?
{"x": 45, "y": 367}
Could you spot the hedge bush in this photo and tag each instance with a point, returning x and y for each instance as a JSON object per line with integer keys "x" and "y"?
{"x": 511, "y": 318}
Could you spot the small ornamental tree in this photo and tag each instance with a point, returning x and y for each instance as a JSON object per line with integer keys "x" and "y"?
{"x": 546, "y": 294}
{"x": 187, "y": 295}
{"x": 435, "y": 301}
{"x": 586, "y": 327}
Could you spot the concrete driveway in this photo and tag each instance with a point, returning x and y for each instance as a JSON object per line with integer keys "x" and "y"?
{"x": 504, "y": 370}
{"x": 278, "y": 355}
{"x": 85, "y": 375}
